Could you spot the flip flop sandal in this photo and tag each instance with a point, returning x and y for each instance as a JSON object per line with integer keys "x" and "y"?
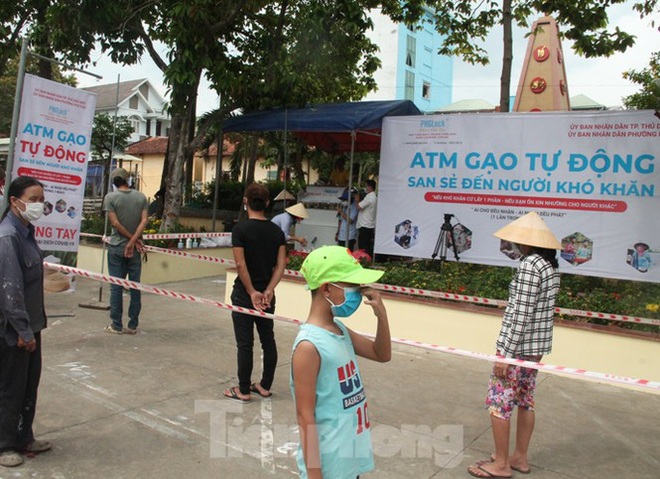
{"x": 233, "y": 395}
{"x": 255, "y": 390}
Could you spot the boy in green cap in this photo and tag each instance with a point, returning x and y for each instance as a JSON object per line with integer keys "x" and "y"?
{"x": 331, "y": 405}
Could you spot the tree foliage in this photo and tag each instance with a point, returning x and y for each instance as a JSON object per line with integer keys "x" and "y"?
{"x": 257, "y": 53}
{"x": 465, "y": 25}
{"x": 103, "y": 130}
{"x": 8, "y": 87}
{"x": 649, "y": 96}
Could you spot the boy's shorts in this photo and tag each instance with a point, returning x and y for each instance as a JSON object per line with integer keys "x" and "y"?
{"x": 516, "y": 390}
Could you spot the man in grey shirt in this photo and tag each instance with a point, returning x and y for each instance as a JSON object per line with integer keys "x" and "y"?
{"x": 127, "y": 213}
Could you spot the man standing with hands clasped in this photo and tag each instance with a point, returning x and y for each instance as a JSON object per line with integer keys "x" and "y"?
{"x": 259, "y": 249}
{"x": 127, "y": 213}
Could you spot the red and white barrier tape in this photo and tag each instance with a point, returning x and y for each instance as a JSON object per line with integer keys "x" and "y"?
{"x": 160, "y": 236}
{"x": 195, "y": 256}
{"x": 425, "y": 292}
{"x": 643, "y": 383}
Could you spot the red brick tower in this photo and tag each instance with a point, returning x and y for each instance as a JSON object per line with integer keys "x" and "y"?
{"x": 543, "y": 85}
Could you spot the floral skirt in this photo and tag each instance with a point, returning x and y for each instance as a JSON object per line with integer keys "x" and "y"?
{"x": 516, "y": 390}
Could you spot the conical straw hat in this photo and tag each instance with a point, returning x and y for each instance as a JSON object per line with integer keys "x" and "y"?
{"x": 297, "y": 210}
{"x": 531, "y": 230}
{"x": 284, "y": 195}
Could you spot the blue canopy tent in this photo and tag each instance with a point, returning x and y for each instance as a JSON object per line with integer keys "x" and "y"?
{"x": 335, "y": 128}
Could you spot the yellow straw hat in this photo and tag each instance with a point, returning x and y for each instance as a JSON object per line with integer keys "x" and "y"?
{"x": 531, "y": 230}
{"x": 298, "y": 210}
{"x": 284, "y": 195}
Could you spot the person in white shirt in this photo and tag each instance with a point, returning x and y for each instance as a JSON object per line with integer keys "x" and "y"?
{"x": 366, "y": 220}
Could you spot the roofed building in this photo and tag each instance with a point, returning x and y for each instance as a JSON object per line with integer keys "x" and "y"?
{"x": 138, "y": 101}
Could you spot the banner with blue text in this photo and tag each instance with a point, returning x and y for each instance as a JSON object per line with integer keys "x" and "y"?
{"x": 593, "y": 177}
{"x": 53, "y": 145}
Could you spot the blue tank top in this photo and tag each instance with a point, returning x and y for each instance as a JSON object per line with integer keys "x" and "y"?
{"x": 341, "y": 413}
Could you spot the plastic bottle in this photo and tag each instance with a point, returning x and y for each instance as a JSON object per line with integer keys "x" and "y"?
{"x": 179, "y": 245}
{"x": 188, "y": 243}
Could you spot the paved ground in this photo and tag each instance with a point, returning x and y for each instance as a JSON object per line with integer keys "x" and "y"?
{"x": 151, "y": 406}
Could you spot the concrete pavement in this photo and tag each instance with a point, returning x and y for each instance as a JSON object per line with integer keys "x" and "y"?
{"x": 151, "y": 405}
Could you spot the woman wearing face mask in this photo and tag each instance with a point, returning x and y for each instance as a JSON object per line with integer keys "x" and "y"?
{"x": 331, "y": 403}
{"x": 22, "y": 317}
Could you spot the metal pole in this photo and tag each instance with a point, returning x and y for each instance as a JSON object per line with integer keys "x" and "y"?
{"x": 66, "y": 65}
{"x": 286, "y": 142}
{"x": 100, "y": 304}
{"x": 218, "y": 166}
{"x": 112, "y": 154}
{"x": 350, "y": 185}
{"x": 14, "y": 122}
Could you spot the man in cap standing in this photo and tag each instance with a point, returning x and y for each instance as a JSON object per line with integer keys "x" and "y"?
{"x": 127, "y": 212}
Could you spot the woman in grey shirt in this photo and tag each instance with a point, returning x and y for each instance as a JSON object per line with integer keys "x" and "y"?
{"x": 22, "y": 317}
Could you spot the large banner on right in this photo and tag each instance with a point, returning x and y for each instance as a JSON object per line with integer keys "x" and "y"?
{"x": 593, "y": 177}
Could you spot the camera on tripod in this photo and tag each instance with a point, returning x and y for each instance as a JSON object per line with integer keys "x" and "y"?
{"x": 446, "y": 239}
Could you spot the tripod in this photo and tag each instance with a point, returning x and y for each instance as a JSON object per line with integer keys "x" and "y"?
{"x": 445, "y": 238}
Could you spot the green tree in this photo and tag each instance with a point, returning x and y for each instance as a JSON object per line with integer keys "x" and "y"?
{"x": 102, "y": 139}
{"x": 256, "y": 53}
{"x": 649, "y": 96}
{"x": 8, "y": 88}
{"x": 585, "y": 24}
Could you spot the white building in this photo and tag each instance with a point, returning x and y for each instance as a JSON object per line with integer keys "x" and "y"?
{"x": 139, "y": 101}
{"x": 411, "y": 67}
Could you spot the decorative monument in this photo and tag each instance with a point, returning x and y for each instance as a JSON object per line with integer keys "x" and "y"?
{"x": 543, "y": 85}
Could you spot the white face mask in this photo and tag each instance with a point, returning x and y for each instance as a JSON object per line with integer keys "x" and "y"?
{"x": 33, "y": 211}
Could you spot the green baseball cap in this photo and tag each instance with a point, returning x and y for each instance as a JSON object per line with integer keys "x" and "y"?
{"x": 333, "y": 264}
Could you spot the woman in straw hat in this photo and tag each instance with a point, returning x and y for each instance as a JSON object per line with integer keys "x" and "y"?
{"x": 526, "y": 333}
{"x": 292, "y": 215}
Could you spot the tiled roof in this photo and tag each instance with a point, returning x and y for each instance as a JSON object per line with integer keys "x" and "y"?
{"x": 106, "y": 95}
{"x": 149, "y": 146}
{"x": 212, "y": 151}
{"x": 158, "y": 145}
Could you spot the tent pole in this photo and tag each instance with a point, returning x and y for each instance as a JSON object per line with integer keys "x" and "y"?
{"x": 350, "y": 187}
{"x": 218, "y": 166}
{"x": 286, "y": 138}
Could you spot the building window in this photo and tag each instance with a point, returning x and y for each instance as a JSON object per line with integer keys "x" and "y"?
{"x": 144, "y": 89}
{"x": 426, "y": 90}
{"x": 148, "y": 128}
{"x": 411, "y": 48}
{"x": 136, "y": 126}
{"x": 158, "y": 127}
{"x": 409, "y": 93}
{"x": 133, "y": 102}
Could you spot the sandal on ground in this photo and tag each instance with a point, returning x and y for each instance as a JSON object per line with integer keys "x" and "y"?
{"x": 477, "y": 470}
{"x": 10, "y": 459}
{"x": 37, "y": 446}
{"x": 129, "y": 331}
{"x": 515, "y": 468}
{"x": 254, "y": 389}
{"x": 231, "y": 393}
{"x": 110, "y": 329}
